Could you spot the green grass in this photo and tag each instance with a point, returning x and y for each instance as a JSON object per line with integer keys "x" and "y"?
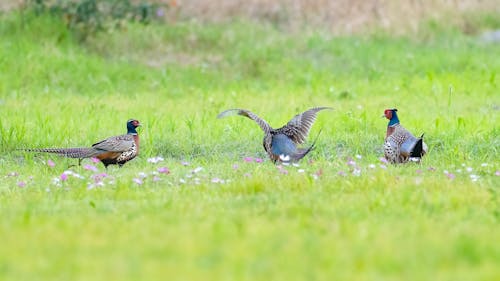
{"x": 318, "y": 221}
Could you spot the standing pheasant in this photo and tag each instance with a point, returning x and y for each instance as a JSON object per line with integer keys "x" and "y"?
{"x": 281, "y": 144}
{"x": 113, "y": 150}
{"x": 400, "y": 145}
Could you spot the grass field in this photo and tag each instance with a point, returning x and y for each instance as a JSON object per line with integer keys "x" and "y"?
{"x": 209, "y": 209}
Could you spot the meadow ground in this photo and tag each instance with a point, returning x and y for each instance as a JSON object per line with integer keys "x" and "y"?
{"x": 209, "y": 209}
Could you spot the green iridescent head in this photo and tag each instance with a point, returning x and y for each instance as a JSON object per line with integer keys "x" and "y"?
{"x": 132, "y": 124}
{"x": 392, "y": 116}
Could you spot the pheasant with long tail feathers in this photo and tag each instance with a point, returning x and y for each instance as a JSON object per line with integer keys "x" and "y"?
{"x": 281, "y": 144}
{"x": 400, "y": 145}
{"x": 115, "y": 150}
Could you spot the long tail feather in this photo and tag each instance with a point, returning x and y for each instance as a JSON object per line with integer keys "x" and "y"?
{"x": 303, "y": 152}
{"x": 77, "y": 152}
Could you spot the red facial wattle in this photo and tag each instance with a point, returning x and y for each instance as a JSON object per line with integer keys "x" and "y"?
{"x": 388, "y": 114}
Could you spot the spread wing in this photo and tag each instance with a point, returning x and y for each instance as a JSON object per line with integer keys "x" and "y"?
{"x": 298, "y": 128}
{"x": 115, "y": 144}
{"x": 243, "y": 112}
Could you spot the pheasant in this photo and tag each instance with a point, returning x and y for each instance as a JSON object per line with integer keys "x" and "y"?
{"x": 400, "y": 145}
{"x": 281, "y": 144}
{"x": 113, "y": 150}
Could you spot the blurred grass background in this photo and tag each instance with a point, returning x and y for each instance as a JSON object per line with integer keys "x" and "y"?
{"x": 335, "y": 16}
{"x": 435, "y": 221}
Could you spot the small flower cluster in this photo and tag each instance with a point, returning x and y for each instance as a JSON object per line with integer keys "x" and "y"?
{"x": 154, "y": 175}
{"x": 252, "y": 159}
{"x": 64, "y": 177}
{"x": 20, "y": 183}
{"x": 352, "y": 167}
{"x": 155, "y": 160}
{"x": 468, "y": 170}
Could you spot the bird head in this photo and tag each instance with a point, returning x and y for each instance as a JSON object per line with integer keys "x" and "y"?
{"x": 392, "y": 116}
{"x": 132, "y": 124}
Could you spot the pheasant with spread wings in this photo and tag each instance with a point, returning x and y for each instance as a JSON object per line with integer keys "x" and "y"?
{"x": 281, "y": 144}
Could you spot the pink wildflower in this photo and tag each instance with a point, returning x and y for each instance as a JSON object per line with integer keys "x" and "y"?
{"x": 90, "y": 167}
{"x": 383, "y": 160}
{"x": 50, "y": 163}
{"x": 164, "y": 170}
{"x": 99, "y": 177}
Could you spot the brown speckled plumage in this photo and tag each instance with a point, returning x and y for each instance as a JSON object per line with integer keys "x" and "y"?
{"x": 400, "y": 145}
{"x": 113, "y": 150}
